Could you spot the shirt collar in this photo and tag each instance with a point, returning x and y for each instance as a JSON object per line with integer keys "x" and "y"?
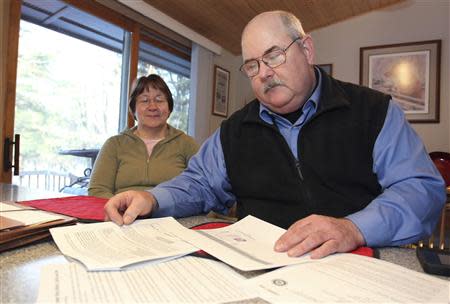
{"x": 267, "y": 115}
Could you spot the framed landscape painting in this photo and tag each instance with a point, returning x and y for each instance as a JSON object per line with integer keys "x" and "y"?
{"x": 409, "y": 72}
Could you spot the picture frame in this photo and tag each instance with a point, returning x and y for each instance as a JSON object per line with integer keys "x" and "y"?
{"x": 221, "y": 91}
{"x": 327, "y": 67}
{"x": 409, "y": 72}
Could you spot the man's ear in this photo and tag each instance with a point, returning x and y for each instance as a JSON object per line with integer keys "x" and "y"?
{"x": 308, "y": 48}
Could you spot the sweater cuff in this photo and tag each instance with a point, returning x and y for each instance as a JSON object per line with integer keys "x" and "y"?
{"x": 164, "y": 201}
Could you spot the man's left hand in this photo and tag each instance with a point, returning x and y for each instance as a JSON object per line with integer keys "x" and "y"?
{"x": 320, "y": 235}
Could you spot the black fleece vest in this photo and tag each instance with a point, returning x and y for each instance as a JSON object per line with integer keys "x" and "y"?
{"x": 334, "y": 174}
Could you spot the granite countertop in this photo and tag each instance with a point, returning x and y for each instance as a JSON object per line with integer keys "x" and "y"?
{"x": 20, "y": 268}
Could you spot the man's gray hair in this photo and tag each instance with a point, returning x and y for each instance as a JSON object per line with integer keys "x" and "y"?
{"x": 292, "y": 23}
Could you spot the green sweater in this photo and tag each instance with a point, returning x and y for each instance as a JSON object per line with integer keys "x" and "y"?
{"x": 123, "y": 162}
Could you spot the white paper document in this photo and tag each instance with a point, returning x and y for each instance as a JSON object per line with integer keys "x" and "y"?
{"x": 27, "y": 215}
{"x": 350, "y": 278}
{"x": 246, "y": 245}
{"x": 184, "y": 280}
{"x": 106, "y": 246}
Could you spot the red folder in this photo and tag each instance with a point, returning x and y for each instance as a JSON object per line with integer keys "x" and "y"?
{"x": 84, "y": 208}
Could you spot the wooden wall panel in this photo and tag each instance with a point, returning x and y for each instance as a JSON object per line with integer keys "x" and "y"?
{"x": 223, "y": 21}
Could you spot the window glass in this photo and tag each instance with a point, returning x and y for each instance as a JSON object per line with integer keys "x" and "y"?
{"x": 175, "y": 72}
{"x": 67, "y": 98}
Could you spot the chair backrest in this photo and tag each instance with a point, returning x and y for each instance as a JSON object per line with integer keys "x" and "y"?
{"x": 442, "y": 162}
{"x": 441, "y": 236}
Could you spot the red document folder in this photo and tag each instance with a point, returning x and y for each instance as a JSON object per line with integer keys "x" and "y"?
{"x": 84, "y": 208}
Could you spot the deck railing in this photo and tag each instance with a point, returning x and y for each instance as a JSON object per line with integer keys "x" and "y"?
{"x": 44, "y": 180}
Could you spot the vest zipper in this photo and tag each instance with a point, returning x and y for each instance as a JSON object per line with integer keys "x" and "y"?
{"x": 304, "y": 190}
{"x": 299, "y": 169}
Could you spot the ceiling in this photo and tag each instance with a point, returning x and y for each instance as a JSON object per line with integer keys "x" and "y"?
{"x": 222, "y": 21}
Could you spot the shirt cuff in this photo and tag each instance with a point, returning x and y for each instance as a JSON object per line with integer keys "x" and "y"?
{"x": 372, "y": 230}
{"x": 165, "y": 203}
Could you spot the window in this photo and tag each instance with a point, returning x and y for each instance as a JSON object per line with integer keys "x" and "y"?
{"x": 72, "y": 86}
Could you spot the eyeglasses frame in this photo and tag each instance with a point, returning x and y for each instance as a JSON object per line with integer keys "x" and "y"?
{"x": 261, "y": 58}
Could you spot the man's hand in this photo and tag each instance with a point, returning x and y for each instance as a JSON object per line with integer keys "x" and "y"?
{"x": 123, "y": 208}
{"x": 322, "y": 235}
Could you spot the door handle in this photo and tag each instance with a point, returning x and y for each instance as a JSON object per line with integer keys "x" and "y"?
{"x": 7, "y": 150}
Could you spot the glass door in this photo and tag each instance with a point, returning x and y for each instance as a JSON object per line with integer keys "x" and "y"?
{"x": 67, "y": 105}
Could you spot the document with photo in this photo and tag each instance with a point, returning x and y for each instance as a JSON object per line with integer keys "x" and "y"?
{"x": 184, "y": 280}
{"x": 246, "y": 245}
{"x": 349, "y": 278}
{"x": 107, "y": 246}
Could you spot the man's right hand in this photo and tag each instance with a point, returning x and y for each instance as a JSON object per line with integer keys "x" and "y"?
{"x": 125, "y": 207}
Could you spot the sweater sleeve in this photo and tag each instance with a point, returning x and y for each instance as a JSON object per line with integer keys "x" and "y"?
{"x": 102, "y": 183}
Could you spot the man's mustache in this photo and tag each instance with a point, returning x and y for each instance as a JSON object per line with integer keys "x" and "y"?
{"x": 271, "y": 84}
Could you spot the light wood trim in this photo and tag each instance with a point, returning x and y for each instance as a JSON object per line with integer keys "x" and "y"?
{"x": 103, "y": 12}
{"x": 11, "y": 77}
{"x": 134, "y": 58}
{"x": 145, "y": 21}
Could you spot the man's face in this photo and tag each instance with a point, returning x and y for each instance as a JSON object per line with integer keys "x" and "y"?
{"x": 285, "y": 88}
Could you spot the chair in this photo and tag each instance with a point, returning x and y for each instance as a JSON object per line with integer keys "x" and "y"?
{"x": 78, "y": 185}
{"x": 441, "y": 236}
{"x": 230, "y": 216}
{"x": 442, "y": 162}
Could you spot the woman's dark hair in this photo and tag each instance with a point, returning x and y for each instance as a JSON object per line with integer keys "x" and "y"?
{"x": 151, "y": 81}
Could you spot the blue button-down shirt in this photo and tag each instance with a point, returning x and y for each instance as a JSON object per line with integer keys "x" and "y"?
{"x": 408, "y": 208}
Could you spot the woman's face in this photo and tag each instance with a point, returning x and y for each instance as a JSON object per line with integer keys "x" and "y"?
{"x": 152, "y": 108}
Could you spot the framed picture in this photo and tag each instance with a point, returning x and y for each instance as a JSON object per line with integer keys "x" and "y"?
{"x": 221, "y": 91}
{"x": 328, "y": 68}
{"x": 409, "y": 72}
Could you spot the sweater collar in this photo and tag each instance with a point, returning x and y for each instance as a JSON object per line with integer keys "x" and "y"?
{"x": 171, "y": 134}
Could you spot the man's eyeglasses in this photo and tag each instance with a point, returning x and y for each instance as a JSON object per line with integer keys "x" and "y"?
{"x": 272, "y": 59}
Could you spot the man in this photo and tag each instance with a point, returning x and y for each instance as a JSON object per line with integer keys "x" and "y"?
{"x": 335, "y": 162}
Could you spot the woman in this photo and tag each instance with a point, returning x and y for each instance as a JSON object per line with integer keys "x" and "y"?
{"x": 147, "y": 154}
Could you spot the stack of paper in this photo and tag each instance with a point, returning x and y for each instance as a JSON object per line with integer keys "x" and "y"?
{"x": 349, "y": 278}
{"x": 21, "y": 225}
{"x": 184, "y": 280}
{"x": 14, "y": 216}
{"x": 247, "y": 245}
{"x": 106, "y": 246}
{"x": 343, "y": 278}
